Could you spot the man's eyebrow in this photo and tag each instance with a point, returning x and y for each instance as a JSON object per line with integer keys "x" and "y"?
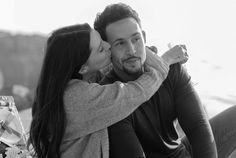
{"x": 121, "y": 39}
{"x": 137, "y": 33}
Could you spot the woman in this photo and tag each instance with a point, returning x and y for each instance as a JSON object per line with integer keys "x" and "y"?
{"x": 71, "y": 114}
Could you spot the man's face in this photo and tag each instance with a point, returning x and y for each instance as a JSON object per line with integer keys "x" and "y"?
{"x": 127, "y": 45}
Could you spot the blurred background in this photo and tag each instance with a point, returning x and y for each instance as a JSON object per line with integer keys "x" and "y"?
{"x": 206, "y": 27}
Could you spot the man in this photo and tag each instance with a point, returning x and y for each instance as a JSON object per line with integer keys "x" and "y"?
{"x": 151, "y": 130}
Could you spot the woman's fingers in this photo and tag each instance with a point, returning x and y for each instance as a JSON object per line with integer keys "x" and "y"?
{"x": 180, "y": 52}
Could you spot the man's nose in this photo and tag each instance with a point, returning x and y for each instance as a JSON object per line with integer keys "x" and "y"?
{"x": 131, "y": 48}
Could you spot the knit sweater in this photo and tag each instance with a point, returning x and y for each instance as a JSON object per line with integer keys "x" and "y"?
{"x": 91, "y": 108}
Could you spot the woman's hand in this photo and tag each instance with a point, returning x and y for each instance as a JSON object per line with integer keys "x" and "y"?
{"x": 152, "y": 58}
{"x": 176, "y": 54}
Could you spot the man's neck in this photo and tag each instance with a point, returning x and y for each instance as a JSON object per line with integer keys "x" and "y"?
{"x": 90, "y": 77}
{"x": 125, "y": 77}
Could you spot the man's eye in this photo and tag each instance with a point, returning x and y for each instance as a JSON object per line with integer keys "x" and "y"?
{"x": 119, "y": 43}
{"x": 137, "y": 38}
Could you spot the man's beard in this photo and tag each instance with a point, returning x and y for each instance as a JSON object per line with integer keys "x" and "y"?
{"x": 135, "y": 73}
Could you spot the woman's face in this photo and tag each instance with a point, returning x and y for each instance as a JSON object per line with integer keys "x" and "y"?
{"x": 100, "y": 55}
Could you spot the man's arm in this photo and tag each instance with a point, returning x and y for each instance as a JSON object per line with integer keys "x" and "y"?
{"x": 192, "y": 116}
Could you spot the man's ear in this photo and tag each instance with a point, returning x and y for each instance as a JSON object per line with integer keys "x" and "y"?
{"x": 84, "y": 69}
{"x": 144, "y": 36}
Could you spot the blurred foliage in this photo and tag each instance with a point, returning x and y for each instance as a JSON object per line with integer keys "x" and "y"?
{"x": 20, "y": 63}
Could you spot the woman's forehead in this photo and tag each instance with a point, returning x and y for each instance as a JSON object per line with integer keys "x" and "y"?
{"x": 95, "y": 40}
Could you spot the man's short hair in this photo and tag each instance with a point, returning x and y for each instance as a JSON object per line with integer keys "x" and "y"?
{"x": 113, "y": 13}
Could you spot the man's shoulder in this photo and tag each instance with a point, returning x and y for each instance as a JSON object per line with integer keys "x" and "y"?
{"x": 175, "y": 68}
{"x": 176, "y": 73}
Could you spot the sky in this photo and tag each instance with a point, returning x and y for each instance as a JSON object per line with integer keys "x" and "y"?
{"x": 207, "y": 27}
{"x": 205, "y": 22}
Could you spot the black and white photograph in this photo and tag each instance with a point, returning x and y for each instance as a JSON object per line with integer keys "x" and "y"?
{"x": 118, "y": 79}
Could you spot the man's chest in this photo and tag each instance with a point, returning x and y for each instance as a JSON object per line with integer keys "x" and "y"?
{"x": 156, "y": 116}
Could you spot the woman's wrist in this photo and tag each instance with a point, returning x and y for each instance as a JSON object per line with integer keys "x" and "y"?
{"x": 166, "y": 59}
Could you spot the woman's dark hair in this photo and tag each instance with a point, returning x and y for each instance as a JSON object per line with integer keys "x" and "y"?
{"x": 67, "y": 49}
{"x": 113, "y": 13}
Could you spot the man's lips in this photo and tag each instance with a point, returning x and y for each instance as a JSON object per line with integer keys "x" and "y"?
{"x": 132, "y": 59}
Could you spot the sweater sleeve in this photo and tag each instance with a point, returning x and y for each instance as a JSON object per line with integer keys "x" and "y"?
{"x": 90, "y": 107}
{"x": 153, "y": 60}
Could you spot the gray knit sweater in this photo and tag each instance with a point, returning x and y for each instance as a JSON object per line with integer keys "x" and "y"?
{"x": 91, "y": 108}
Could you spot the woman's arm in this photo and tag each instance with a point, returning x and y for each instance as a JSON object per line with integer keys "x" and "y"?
{"x": 177, "y": 54}
{"x": 91, "y": 107}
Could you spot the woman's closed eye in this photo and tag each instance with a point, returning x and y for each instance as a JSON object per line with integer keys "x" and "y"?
{"x": 101, "y": 49}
